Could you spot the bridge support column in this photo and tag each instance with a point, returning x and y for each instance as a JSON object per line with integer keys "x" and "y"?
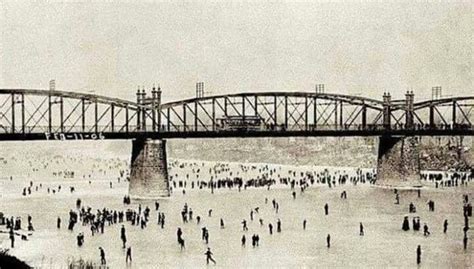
{"x": 398, "y": 163}
{"x": 149, "y": 169}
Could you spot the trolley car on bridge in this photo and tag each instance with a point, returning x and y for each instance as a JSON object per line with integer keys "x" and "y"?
{"x": 240, "y": 123}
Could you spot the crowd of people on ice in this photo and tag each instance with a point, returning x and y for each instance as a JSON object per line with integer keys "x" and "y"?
{"x": 199, "y": 175}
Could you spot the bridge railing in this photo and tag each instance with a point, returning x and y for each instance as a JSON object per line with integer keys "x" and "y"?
{"x": 309, "y": 127}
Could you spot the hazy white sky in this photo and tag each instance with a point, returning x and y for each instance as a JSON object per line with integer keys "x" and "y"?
{"x": 353, "y": 48}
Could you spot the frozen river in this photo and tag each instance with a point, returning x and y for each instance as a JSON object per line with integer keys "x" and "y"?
{"x": 383, "y": 245}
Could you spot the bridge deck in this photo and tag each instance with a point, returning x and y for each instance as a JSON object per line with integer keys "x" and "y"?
{"x": 223, "y": 134}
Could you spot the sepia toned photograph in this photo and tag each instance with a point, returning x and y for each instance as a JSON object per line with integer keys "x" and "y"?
{"x": 236, "y": 134}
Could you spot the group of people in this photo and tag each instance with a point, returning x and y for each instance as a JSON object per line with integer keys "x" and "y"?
{"x": 431, "y": 208}
{"x": 195, "y": 175}
{"x": 448, "y": 179}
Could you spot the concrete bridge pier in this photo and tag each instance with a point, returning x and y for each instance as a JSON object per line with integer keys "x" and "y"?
{"x": 149, "y": 169}
{"x": 398, "y": 162}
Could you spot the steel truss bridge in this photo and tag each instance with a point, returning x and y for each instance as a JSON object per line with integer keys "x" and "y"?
{"x": 30, "y": 114}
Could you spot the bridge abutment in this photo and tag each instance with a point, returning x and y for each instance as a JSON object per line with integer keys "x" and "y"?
{"x": 149, "y": 169}
{"x": 398, "y": 162}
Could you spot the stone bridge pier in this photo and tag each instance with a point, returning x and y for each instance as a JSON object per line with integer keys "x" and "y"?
{"x": 398, "y": 162}
{"x": 149, "y": 169}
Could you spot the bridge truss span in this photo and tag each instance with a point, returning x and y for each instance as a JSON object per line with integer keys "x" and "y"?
{"x": 27, "y": 114}
{"x": 271, "y": 112}
{"x": 24, "y": 112}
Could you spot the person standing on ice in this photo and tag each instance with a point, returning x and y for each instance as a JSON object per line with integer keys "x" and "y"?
{"x": 418, "y": 254}
{"x": 102, "y": 256}
{"x": 129, "y": 255}
{"x": 244, "y": 225}
{"x": 208, "y": 254}
{"x": 123, "y": 236}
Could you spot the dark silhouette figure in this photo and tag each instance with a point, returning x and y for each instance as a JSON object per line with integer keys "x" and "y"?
{"x": 80, "y": 239}
{"x": 102, "y": 256}
{"x": 326, "y": 209}
{"x": 361, "y": 228}
{"x": 244, "y": 225}
{"x": 208, "y": 254}
{"x": 12, "y": 237}
{"x": 128, "y": 258}
{"x": 426, "y": 232}
{"x": 416, "y": 224}
{"x": 123, "y": 236}
{"x": 328, "y": 241}
{"x": 179, "y": 233}
{"x": 418, "y": 254}
{"x": 406, "y": 224}
{"x": 445, "y": 226}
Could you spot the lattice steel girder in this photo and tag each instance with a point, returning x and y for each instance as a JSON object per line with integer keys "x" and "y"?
{"x": 60, "y": 112}
{"x": 24, "y": 111}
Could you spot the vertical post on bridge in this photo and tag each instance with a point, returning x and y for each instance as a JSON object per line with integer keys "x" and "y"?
{"x": 153, "y": 108}
{"x": 196, "y": 115}
{"x": 255, "y": 105}
{"x": 139, "y": 114}
{"x": 23, "y": 113}
{"x": 243, "y": 109}
{"x": 49, "y": 114}
{"x": 52, "y": 87}
{"x": 158, "y": 107}
{"x": 341, "y": 122}
{"x": 432, "y": 121}
{"x": 168, "y": 122}
{"x": 213, "y": 114}
{"x": 286, "y": 112}
{"x": 315, "y": 113}
{"x": 275, "y": 108}
{"x": 184, "y": 117}
{"x": 387, "y": 111}
{"x": 112, "y": 117}
{"x": 454, "y": 114}
{"x": 126, "y": 118}
{"x": 96, "y": 116}
{"x": 409, "y": 100}
{"x": 225, "y": 106}
{"x": 306, "y": 113}
{"x": 144, "y": 109}
{"x": 61, "y": 114}
{"x": 83, "y": 114}
{"x": 364, "y": 116}
{"x": 13, "y": 112}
